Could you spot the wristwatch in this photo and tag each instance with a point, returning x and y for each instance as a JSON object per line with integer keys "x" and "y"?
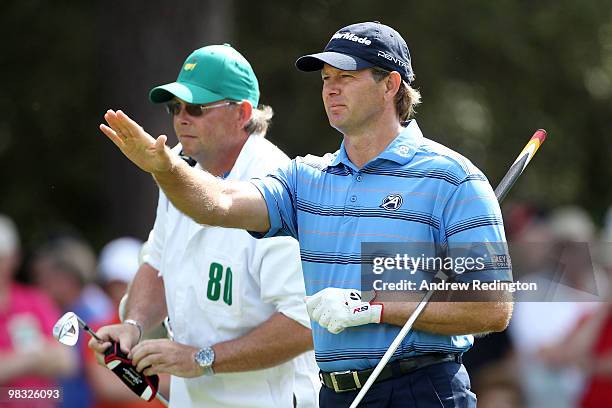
{"x": 205, "y": 357}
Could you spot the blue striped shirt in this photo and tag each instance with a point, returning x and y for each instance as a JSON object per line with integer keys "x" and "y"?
{"x": 432, "y": 194}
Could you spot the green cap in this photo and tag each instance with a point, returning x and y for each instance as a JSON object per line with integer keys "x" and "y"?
{"x": 210, "y": 74}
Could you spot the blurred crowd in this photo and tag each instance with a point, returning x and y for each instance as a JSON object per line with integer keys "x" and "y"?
{"x": 557, "y": 351}
{"x": 60, "y": 275}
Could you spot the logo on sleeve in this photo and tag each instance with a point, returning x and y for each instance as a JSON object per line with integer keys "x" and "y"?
{"x": 501, "y": 261}
{"x": 392, "y": 202}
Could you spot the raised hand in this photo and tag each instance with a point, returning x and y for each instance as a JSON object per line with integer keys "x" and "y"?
{"x": 148, "y": 153}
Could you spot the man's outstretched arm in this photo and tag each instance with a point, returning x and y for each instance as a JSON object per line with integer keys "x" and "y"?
{"x": 203, "y": 197}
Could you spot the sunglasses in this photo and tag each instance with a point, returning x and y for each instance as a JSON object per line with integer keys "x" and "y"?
{"x": 174, "y": 108}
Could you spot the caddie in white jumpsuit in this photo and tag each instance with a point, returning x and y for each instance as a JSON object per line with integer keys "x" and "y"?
{"x": 236, "y": 304}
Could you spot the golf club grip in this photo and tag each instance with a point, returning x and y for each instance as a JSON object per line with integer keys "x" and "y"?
{"x": 145, "y": 386}
{"x": 502, "y": 189}
{"x": 519, "y": 164}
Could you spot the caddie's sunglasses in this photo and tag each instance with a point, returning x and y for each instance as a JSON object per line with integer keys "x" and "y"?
{"x": 174, "y": 108}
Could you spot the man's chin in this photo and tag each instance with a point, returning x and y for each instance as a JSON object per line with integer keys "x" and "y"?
{"x": 336, "y": 122}
{"x": 339, "y": 125}
{"x": 338, "y": 128}
{"x": 186, "y": 151}
{"x": 187, "y": 146}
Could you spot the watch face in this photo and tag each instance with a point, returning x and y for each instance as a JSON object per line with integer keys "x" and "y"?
{"x": 205, "y": 357}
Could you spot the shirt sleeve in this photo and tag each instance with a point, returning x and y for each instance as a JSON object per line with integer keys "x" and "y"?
{"x": 157, "y": 237}
{"x": 277, "y": 268}
{"x": 279, "y": 189}
{"x": 473, "y": 232}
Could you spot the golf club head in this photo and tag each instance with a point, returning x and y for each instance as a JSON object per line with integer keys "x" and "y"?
{"x": 66, "y": 330}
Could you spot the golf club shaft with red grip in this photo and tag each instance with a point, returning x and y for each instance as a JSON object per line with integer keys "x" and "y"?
{"x": 502, "y": 189}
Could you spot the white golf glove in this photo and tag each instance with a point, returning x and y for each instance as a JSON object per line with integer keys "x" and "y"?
{"x": 336, "y": 309}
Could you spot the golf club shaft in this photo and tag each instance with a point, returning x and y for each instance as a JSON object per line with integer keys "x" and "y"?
{"x": 85, "y": 327}
{"x": 502, "y": 189}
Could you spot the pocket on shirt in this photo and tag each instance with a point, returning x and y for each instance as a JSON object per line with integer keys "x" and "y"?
{"x": 217, "y": 284}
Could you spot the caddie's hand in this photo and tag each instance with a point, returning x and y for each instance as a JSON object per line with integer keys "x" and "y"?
{"x": 165, "y": 356}
{"x": 126, "y": 334}
{"x": 141, "y": 148}
{"x": 336, "y": 309}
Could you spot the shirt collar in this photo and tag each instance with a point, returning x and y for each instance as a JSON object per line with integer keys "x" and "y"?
{"x": 401, "y": 150}
{"x": 243, "y": 159}
{"x": 341, "y": 158}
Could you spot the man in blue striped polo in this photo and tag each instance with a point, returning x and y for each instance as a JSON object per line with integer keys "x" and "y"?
{"x": 386, "y": 183}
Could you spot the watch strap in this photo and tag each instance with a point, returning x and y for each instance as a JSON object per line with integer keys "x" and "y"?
{"x": 138, "y": 325}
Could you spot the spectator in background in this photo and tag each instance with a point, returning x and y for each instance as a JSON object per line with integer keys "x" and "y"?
{"x": 597, "y": 355}
{"x": 549, "y": 249}
{"x": 589, "y": 345}
{"x": 29, "y": 356}
{"x": 117, "y": 264}
{"x": 65, "y": 269}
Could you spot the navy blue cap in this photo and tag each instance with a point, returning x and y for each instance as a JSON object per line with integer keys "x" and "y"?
{"x": 363, "y": 45}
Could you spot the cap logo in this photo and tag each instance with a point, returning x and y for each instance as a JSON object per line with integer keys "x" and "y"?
{"x": 351, "y": 37}
{"x": 190, "y": 67}
{"x": 390, "y": 57}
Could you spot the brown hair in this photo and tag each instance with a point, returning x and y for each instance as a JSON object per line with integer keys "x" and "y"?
{"x": 406, "y": 99}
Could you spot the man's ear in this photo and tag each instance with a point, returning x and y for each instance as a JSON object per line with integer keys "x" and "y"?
{"x": 245, "y": 112}
{"x": 393, "y": 83}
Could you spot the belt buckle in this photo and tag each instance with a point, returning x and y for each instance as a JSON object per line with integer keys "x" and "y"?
{"x": 335, "y": 382}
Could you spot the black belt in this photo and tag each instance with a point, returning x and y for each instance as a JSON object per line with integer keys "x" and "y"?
{"x": 341, "y": 381}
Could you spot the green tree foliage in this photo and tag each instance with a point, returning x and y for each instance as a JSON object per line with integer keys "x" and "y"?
{"x": 48, "y": 153}
{"x": 490, "y": 74}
